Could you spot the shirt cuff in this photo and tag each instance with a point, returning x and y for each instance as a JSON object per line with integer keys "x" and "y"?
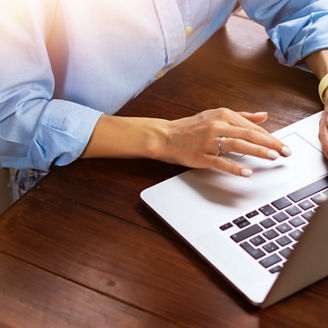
{"x": 62, "y": 134}
{"x": 314, "y": 37}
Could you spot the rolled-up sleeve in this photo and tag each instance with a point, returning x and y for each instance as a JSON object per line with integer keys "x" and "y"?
{"x": 35, "y": 129}
{"x": 296, "y": 27}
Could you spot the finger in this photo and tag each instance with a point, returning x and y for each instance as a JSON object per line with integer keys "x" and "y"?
{"x": 255, "y": 137}
{"x": 256, "y": 118}
{"x": 248, "y": 148}
{"x": 225, "y": 165}
{"x": 235, "y": 119}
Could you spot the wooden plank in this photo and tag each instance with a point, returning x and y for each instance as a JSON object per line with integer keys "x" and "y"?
{"x": 147, "y": 105}
{"x": 154, "y": 272}
{"x": 112, "y": 186}
{"x": 30, "y": 297}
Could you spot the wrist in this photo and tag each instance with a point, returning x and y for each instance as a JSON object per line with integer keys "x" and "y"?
{"x": 155, "y": 138}
{"x": 325, "y": 97}
{"x": 322, "y": 88}
{"x": 318, "y": 63}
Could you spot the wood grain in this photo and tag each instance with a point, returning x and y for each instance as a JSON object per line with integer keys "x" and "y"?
{"x": 31, "y": 298}
{"x": 157, "y": 273}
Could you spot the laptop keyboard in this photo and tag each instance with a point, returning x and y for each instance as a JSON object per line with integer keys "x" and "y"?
{"x": 277, "y": 226}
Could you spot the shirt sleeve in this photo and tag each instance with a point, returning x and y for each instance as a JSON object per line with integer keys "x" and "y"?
{"x": 35, "y": 129}
{"x": 296, "y": 27}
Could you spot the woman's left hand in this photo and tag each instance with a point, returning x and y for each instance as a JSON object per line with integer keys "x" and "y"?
{"x": 323, "y": 126}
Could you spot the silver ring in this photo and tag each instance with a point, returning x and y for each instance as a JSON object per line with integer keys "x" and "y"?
{"x": 220, "y": 142}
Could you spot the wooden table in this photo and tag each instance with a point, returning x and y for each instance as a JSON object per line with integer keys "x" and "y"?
{"x": 81, "y": 250}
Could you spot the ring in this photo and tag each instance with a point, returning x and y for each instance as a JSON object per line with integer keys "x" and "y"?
{"x": 220, "y": 142}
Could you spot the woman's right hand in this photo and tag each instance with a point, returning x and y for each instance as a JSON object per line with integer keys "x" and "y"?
{"x": 191, "y": 141}
{"x": 194, "y": 141}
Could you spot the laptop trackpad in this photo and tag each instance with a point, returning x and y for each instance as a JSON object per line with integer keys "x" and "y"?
{"x": 223, "y": 196}
{"x": 195, "y": 201}
{"x": 306, "y": 162}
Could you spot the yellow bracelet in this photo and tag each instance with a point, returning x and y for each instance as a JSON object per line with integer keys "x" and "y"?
{"x": 323, "y": 85}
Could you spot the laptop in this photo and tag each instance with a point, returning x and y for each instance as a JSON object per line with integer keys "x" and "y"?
{"x": 267, "y": 235}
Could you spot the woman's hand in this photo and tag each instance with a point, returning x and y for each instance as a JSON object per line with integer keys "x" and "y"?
{"x": 318, "y": 63}
{"x": 194, "y": 141}
{"x": 323, "y": 126}
{"x": 191, "y": 141}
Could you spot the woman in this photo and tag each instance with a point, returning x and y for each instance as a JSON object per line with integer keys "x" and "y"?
{"x": 68, "y": 65}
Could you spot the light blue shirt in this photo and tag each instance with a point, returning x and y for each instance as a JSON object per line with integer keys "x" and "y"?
{"x": 65, "y": 62}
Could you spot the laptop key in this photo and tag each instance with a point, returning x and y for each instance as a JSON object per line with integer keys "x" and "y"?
{"x": 270, "y": 260}
{"x": 247, "y": 232}
{"x": 241, "y": 222}
{"x": 267, "y": 223}
{"x": 307, "y": 215}
{"x": 270, "y": 247}
{"x": 255, "y": 253}
{"x": 275, "y": 269}
{"x": 283, "y": 241}
{"x": 309, "y": 190}
{"x": 281, "y": 203}
{"x": 284, "y": 227}
{"x": 270, "y": 234}
{"x": 306, "y": 204}
{"x": 285, "y": 252}
{"x": 319, "y": 198}
{"x": 252, "y": 214}
{"x": 296, "y": 234}
{"x": 267, "y": 210}
{"x": 226, "y": 226}
{"x": 296, "y": 221}
{"x": 281, "y": 216}
{"x": 294, "y": 210}
{"x": 257, "y": 240}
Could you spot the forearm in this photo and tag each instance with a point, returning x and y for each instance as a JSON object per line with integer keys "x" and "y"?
{"x": 127, "y": 137}
{"x": 318, "y": 63}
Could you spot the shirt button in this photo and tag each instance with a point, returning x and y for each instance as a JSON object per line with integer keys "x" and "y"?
{"x": 160, "y": 74}
{"x": 188, "y": 30}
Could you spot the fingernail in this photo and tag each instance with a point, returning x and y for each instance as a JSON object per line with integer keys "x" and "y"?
{"x": 246, "y": 172}
{"x": 261, "y": 113}
{"x": 286, "y": 151}
{"x": 272, "y": 154}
